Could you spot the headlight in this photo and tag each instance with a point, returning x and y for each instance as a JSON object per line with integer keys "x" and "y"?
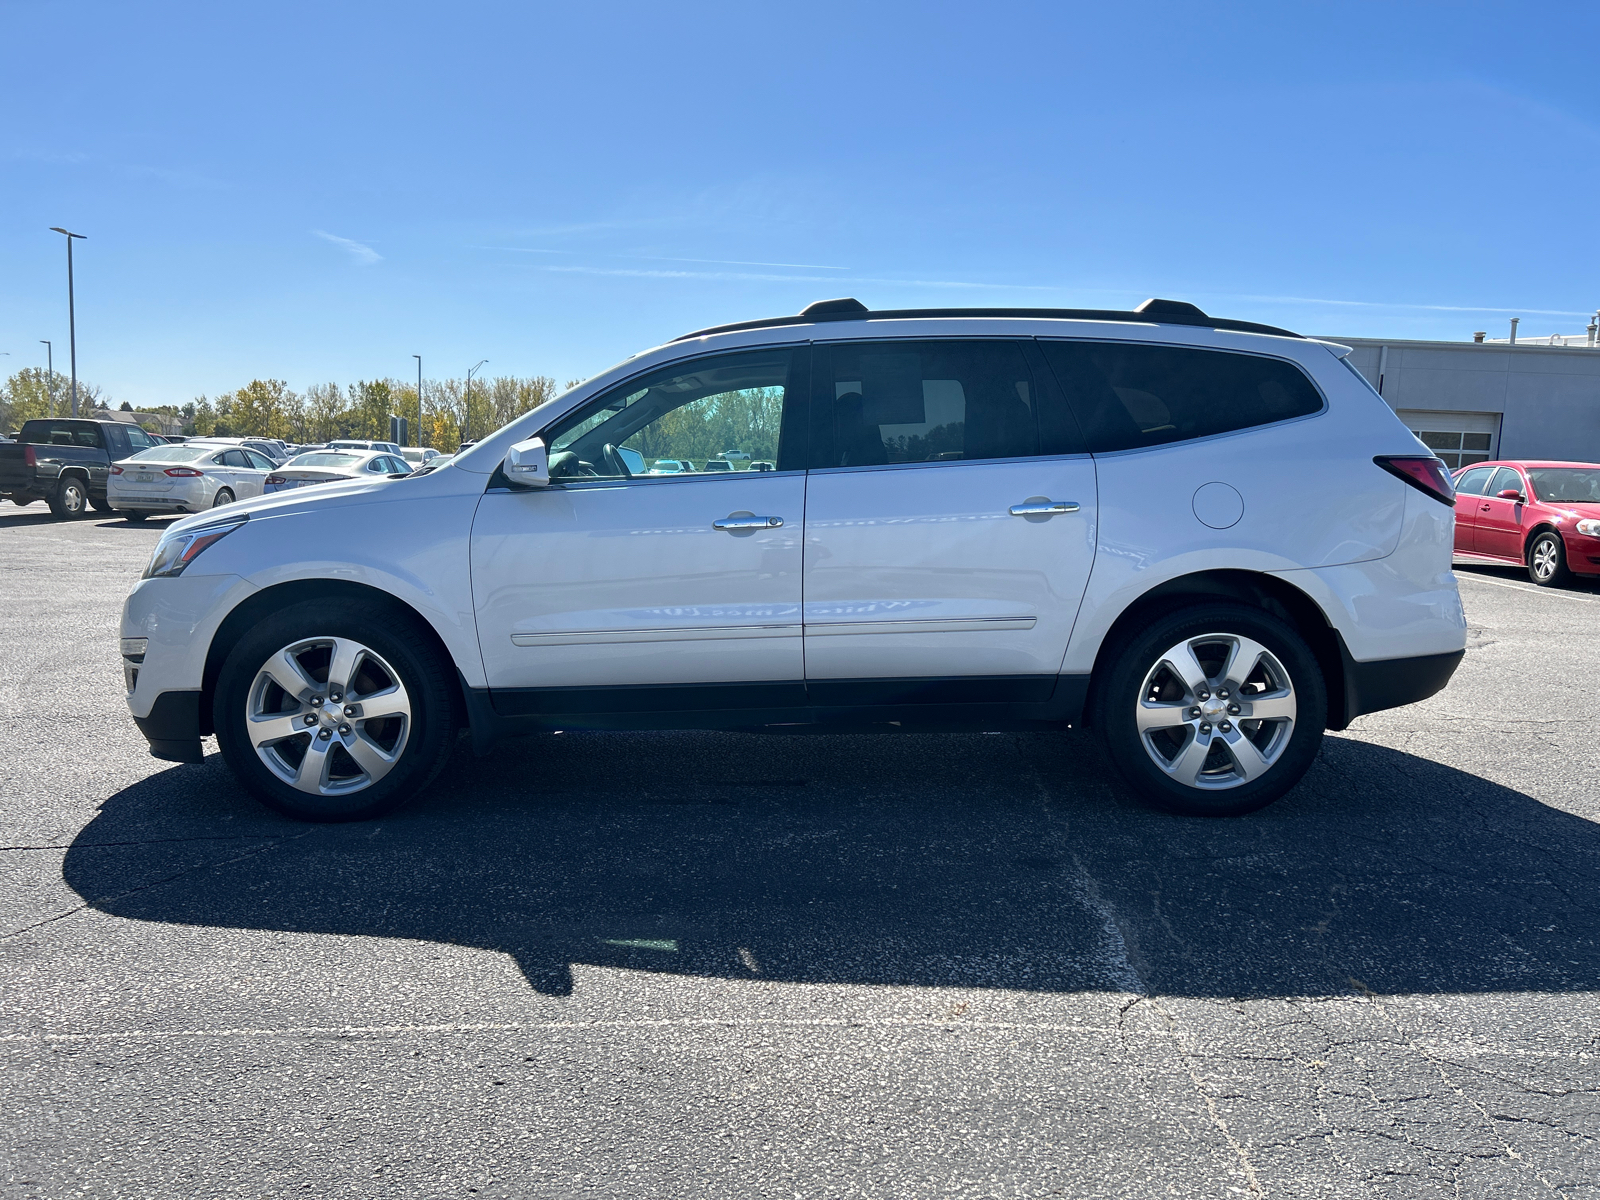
{"x": 176, "y": 551}
{"x": 1588, "y": 528}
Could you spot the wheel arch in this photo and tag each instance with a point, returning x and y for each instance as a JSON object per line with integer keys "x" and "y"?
{"x": 334, "y": 591}
{"x": 1532, "y": 534}
{"x": 1266, "y": 592}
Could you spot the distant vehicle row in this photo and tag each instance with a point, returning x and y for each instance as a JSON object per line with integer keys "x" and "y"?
{"x": 75, "y": 464}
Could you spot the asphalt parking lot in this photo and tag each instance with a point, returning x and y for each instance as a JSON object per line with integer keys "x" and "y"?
{"x": 722, "y": 965}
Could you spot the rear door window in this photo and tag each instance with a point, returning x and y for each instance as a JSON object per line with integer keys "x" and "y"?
{"x": 1471, "y": 483}
{"x": 1505, "y": 479}
{"x": 1131, "y": 395}
{"x": 138, "y": 438}
{"x": 880, "y": 403}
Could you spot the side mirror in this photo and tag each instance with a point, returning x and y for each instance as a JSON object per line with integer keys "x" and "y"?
{"x": 528, "y": 464}
{"x": 1511, "y": 494}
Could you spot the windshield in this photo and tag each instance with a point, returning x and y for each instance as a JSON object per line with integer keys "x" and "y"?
{"x": 173, "y": 453}
{"x": 324, "y": 460}
{"x": 1566, "y": 485}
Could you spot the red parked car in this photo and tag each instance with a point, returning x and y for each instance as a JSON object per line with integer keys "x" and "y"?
{"x": 1541, "y": 515}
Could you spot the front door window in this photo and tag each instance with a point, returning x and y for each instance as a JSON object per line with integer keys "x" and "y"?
{"x": 711, "y": 417}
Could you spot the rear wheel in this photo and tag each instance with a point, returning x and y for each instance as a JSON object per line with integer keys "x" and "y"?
{"x": 103, "y": 504}
{"x": 223, "y": 496}
{"x": 334, "y": 715}
{"x": 135, "y": 517}
{"x": 1547, "y": 561}
{"x": 1214, "y": 710}
{"x": 70, "y": 498}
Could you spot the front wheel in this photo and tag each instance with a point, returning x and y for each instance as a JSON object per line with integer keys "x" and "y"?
{"x": 334, "y": 713}
{"x": 1547, "y": 561}
{"x": 1214, "y": 710}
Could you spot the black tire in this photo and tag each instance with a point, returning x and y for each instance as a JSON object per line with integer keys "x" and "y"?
{"x": 70, "y": 498}
{"x": 23, "y": 501}
{"x": 223, "y": 496}
{"x": 1547, "y": 561}
{"x": 134, "y": 517}
{"x": 102, "y": 505}
{"x": 1118, "y": 699}
{"x": 388, "y": 631}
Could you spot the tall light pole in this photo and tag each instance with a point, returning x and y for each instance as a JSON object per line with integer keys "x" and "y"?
{"x": 50, "y": 375}
{"x": 72, "y": 318}
{"x": 468, "y": 428}
{"x": 418, "y": 357}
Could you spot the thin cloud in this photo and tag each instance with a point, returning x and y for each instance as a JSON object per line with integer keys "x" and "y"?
{"x": 759, "y": 277}
{"x": 361, "y": 252}
{"x": 726, "y": 262}
{"x": 1463, "y": 308}
{"x": 732, "y": 262}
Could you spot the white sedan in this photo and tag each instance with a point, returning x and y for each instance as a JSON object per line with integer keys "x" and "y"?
{"x": 186, "y": 478}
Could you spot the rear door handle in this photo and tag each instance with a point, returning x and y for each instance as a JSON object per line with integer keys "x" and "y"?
{"x": 747, "y": 521}
{"x": 1487, "y": 508}
{"x": 1043, "y": 508}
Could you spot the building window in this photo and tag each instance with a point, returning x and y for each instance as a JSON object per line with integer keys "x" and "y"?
{"x": 1460, "y": 439}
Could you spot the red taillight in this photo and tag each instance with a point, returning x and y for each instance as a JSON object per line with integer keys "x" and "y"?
{"x": 182, "y": 472}
{"x": 28, "y": 457}
{"x": 1425, "y": 474}
{"x": 116, "y": 470}
{"x": 276, "y": 480}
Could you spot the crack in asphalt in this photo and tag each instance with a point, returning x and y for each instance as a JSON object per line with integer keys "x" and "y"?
{"x": 154, "y": 883}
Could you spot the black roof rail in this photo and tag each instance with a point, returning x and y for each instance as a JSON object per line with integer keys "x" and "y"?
{"x": 1151, "y": 312}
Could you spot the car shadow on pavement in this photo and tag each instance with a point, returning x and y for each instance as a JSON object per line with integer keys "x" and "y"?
{"x": 924, "y": 860}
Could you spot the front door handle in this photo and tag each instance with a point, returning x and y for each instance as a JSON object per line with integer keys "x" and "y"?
{"x": 1043, "y": 508}
{"x": 746, "y": 521}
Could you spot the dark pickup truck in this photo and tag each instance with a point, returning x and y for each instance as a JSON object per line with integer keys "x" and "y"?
{"x": 64, "y": 462}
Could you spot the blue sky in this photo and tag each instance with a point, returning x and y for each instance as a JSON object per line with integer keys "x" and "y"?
{"x": 316, "y": 192}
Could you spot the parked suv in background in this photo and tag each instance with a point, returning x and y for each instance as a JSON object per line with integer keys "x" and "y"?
{"x": 1539, "y": 514}
{"x": 989, "y": 519}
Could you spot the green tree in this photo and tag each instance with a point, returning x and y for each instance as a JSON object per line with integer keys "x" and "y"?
{"x": 371, "y": 403}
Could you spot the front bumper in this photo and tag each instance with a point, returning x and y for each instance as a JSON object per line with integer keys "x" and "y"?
{"x": 178, "y": 619}
{"x": 173, "y": 727}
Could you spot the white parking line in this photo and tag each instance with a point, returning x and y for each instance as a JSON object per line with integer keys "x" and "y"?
{"x": 1521, "y": 587}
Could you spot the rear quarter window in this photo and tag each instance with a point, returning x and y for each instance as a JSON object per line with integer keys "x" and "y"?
{"x": 1130, "y": 395}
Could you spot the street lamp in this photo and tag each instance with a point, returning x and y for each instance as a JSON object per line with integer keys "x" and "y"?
{"x": 72, "y": 318}
{"x": 50, "y": 375}
{"x": 418, "y": 357}
{"x": 467, "y": 428}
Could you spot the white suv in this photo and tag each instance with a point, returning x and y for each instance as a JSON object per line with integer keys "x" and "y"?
{"x": 1207, "y": 540}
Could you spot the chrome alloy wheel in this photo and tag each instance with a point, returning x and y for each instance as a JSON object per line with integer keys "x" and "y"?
{"x": 1544, "y": 559}
{"x": 328, "y": 716}
{"x": 1216, "y": 711}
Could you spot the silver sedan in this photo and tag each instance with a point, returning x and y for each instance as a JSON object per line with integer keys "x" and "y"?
{"x": 327, "y": 466}
{"x": 186, "y": 478}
